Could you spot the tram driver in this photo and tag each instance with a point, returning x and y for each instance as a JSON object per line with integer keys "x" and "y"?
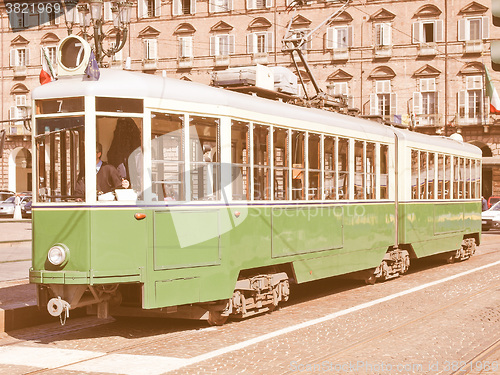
{"x": 108, "y": 177}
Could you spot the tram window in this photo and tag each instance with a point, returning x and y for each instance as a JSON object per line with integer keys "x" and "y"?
{"x": 281, "y": 164}
{"x": 468, "y": 179}
{"x": 414, "y": 175}
{"x": 119, "y": 105}
{"x": 167, "y": 157}
{"x": 447, "y": 177}
{"x": 240, "y": 157}
{"x": 462, "y": 178}
{"x": 431, "y": 175}
{"x": 343, "y": 168}
{"x": 423, "y": 176}
{"x": 440, "y": 176}
{"x": 456, "y": 178}
{"x": 478, "y": 179}
{"x": 298, "y": 165}
{"x": 314, "y": 158}
{"x": 121, "y": 138}
{"x": 60, "y": 156}
{"x": 61, "y": 105}
{"x": 261, "y": 187}
{"x": 384, "y": 172}
{"x": 330, "y": 186}
{"x": 205, "y": 160}
{"x": 370, "y": 170}
{"x": 359, "y": 170}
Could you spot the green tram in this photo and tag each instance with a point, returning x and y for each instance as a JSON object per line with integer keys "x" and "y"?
{"x": 232, "y": 198}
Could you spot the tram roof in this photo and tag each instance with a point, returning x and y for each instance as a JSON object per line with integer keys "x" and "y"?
{"x": 126, "y": 84}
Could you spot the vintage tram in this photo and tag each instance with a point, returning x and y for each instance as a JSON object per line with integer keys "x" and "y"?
{"x": 232, "y": 197}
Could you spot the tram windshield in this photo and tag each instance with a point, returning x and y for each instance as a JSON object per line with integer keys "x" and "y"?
{"x": 60, "y": 157}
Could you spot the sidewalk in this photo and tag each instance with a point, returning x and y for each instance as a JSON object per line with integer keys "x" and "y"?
{"x": 18, "y": 308}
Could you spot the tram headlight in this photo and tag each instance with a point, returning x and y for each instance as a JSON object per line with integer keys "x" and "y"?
{"x": 58, "y": 255}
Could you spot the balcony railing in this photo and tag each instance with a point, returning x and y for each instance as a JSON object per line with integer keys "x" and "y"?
{"x": 260, "y": 58}
{"x": 429, "y": 120}
{"x": 20, "y": 71}
{"x": 382, "y": 51}
{"x": 340, "y": 54}
{"x": 222, "y": 60}
{"x": 473, "y": 46}
{"x": 149, "y": 64}
{"x": 185, "y": 62}
{"x": 427, "y": 49}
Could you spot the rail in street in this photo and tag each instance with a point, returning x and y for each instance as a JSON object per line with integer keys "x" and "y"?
{"x": 438, "y": 319}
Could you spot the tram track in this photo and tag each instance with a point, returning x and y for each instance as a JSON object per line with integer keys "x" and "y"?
{"x": 478, "y": 363}
{"x": 326, "y": 357}
{"x": 391, "y": 331}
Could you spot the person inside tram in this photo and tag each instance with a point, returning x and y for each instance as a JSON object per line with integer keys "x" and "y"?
{"x": 107, "y": 177}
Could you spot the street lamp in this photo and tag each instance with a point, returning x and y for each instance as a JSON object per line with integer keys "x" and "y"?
{"x": 90, "y": 14}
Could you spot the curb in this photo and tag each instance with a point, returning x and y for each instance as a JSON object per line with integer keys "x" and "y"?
{"x": 22, "y": 317}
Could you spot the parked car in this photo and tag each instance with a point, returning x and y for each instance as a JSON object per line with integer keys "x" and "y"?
{"x": 4, "y": 194}
{"x": 7, "y": 207}
{"x": 26, "y": 208}
{"x": 491, "y": 218}
{"x": 492, "y": 201}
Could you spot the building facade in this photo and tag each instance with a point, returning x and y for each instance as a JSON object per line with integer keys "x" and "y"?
{"x": 419, "y": 64}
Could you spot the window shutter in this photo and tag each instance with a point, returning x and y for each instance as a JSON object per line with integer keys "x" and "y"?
{"x": 387, "y": 34}
{"x": 44, "y": 18}
{"x": 394, "y": 103}
{"x": 250, "y": 4}
{"x": 192, "y": 5}
{"x": 232, "y": 44}
{"x": 12, "y": 112}
{"x": 462, "y": 30}
{"x": 58, "y": 16}
{"x": 108, "y": 15}
{"x": 439, "y": 30}
{"x": 378, "y": 34}
{"x": 462, "y": 103}
{"x": 142, "y": 9}
{"x": 269, "y": 3}
{"x": 27, "y": 59}
{"x": 26, "y": 19}
{"x": 13, "y": 54}
{"x": 416, "y": 37}
{"x": 269, "y": 42}
{"x": 212, "y": 7}
{"x": 485, "y": 25}
{"x": 417, "y": 103}
{"x": 349, "y": 36}
{"x": 373, "y": 104}
{"x": 330, "y": 41}
{"x": 157, "y": 8}
{"x": 176, "y": 7}
{"x": 213, "y": 41}
{"x": 250, "y": 43}
{"x": 188, "y": 46}
{"x": 229, "y": 5}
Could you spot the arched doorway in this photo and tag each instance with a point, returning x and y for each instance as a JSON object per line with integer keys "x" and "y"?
{"x": 20, "y": 175}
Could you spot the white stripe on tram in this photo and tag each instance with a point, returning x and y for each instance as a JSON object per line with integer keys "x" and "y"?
{"x": 131, "y": 364}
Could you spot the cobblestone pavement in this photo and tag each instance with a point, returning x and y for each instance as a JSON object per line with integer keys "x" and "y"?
{"x": 430, "y": 327}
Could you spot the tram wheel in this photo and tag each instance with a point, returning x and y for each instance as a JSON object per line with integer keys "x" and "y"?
{"x": 371, "y": 280}
{"x": 215, "y": 318}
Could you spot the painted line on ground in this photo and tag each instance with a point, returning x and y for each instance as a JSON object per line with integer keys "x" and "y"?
{"x": 131, "y": 364}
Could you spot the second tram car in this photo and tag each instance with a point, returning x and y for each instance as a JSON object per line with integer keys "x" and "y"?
{"x": 231, "y": 198}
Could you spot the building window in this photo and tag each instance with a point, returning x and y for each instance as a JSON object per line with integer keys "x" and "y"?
{"x": 471, "y": 101}
{"x": 383, "y": 33}
{"x": 150, "y": 49}
{"x": 259, "y": 4}
{"x": 427, "y": 31}
{"x": 473, "y": 28}
{"x": 339, "y": 37}
{"x": 148, "y": 8}
{"x": 19, "y": 56}
{"x": 186, "y": 46}
{"x": 383, "y": 101}
{"x": 221, "y": 45}
{"x": 18, "y": 111}
{"x": 180, "y": 7}
{"x": 51, "y": 54}
{"x": 425, "y": 102}
{"x": 260, "y": 42}
{"x": 341, "y": 89}
{"x": 216, "y": 6}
